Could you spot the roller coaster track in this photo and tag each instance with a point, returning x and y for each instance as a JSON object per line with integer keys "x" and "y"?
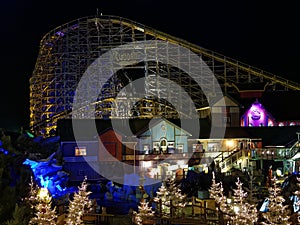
{"x": 213, "y": 55}
{"x": 229, "y": 72}
{"x": 193, "y": 47}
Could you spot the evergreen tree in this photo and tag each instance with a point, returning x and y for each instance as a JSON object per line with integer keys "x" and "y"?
{"x": 239, "y": 211}
{"x": 13, "y": 176}
{"x": 79, "y": 205}
{"x": 277, "y": 213}
{"x": 24, "y": 211}
{"x": 145, "y": 212}
{"x": 170, "y": 199}
{"x": 44, "y": 213}
{"x": 177, "y": 198}
{"x": 163, "y": 199}
{"x": 216, "y": 190}
{"x": 20, "y": 216}
{"x": 33, "y": 192}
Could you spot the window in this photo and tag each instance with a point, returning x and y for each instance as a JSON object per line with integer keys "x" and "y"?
{"x": 146, "y": 149}
{"x": 180, "y": 148}
{"x": 171, "y": 148}
{"x": 156, "y": 147}
{"x": 80, "y": 151}
{"x": 197, "y": 148}
{"x": 213, "y": 146}
{"x": 163, "y": 145}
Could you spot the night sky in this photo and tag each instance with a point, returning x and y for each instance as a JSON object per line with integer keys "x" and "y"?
{"x": 263, "y": 35}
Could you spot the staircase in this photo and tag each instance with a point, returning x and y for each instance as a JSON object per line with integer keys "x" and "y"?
{"x": 228, "y": 159}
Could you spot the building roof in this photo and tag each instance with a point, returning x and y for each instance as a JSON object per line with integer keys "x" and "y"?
{"x": 154, "y": 122}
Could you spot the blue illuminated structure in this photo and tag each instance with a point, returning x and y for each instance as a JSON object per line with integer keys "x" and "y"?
{"x": 49, "y": 175}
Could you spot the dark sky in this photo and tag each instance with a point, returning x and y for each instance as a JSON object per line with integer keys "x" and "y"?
{"x": 263, "y": 35}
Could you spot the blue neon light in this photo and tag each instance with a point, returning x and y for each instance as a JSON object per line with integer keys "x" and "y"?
{"x": 49, "y": 175}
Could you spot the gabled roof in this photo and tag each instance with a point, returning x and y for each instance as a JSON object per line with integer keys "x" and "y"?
{"x": 229, "y": 101}
{"x": 154, "y": 122}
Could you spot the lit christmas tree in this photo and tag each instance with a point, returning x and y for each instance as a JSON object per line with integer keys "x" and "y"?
{"x": 145, "y": 212}
{"x": 44, "y": 214}
{"x": 277, "y": 212}
{"x": 79, "y": 205}
{"x": 216, "y": 191}
{"x": 178, "y": 200}
{"x": 169, "y": 195}
{"x": 33, "y": 192}
{"x": 163, "y": 200}
{"x": 238, "y": 210}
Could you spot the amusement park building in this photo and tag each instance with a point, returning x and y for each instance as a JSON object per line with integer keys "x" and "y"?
{"x": 216, "y": 90}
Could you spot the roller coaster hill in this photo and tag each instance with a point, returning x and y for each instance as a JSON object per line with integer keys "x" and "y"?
{"x": 67, "y": 51}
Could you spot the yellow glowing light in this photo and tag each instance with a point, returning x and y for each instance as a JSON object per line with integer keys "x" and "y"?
{"x": 278, "y": 173}
{"x": 43, "y": 195}
{"x": 229, "y": 143}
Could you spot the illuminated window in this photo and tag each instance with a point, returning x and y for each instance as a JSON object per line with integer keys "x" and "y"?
{"x": 213, "y": 146}
{"x": 80, "y": 151}
{"x": 197, "y": 148}
{"x": 156, "y": 147}
{"x": 180, "y": 148}
{"x": 171, "y": 148}
{"x": 270, "y": 123}
{"x": 163, "y": 145}
{"x": 146, "y": 148}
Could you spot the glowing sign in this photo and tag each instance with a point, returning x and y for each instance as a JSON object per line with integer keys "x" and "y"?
{"x": 257, "y": 116}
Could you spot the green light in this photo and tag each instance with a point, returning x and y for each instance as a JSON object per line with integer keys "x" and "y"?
{"x": 29, "y": 134}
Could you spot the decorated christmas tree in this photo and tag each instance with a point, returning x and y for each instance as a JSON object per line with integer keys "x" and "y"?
{"x": 277, "y": 213}
{"x": 79, "y": 205}
{"x": 44, "y": 213}
{"x": 145, "y": 212}
{"x": 216, "y": 191}
{"x": 178, "y": 200}
{"x": 170, "y": 199}
{"x": 238, "y": 210}
{"x": 32, "y": 199}
{"x": 162, "y": 199}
